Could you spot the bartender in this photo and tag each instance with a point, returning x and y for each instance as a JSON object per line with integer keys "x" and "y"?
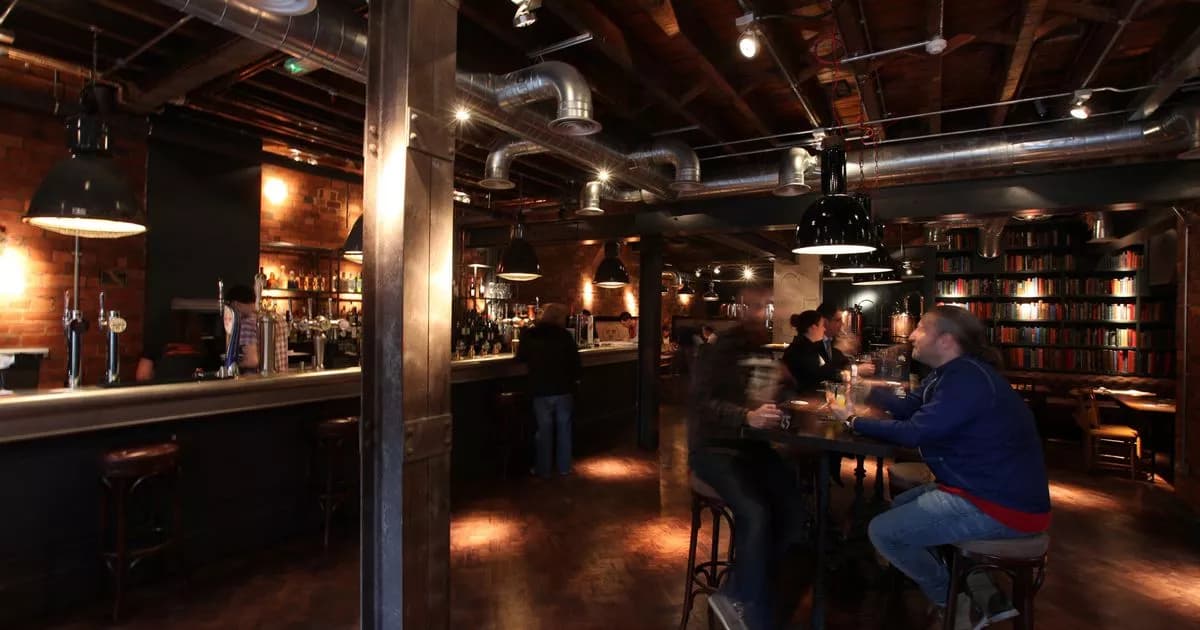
{"x": 240, "y": 298}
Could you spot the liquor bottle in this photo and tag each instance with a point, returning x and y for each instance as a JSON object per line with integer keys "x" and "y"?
{"x": 292, "y": 283}
{"x": 333, "y": 283}
{"x": 358, "y": 286}
{"x": 471, "y": 288}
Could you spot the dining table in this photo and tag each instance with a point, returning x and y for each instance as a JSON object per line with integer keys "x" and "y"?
{"x": 1146, "y": 409}
{"x": 809, "y": 426}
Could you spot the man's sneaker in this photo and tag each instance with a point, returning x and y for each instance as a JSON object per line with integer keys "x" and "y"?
{"x": 992, "y": 604}
{"x": 730, "y": 612}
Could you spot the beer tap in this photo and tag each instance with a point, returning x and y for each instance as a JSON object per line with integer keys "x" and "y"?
{"x": 229, "y": 368}
{"x": 112, "y": 323}
{"x": 74, "y": 325}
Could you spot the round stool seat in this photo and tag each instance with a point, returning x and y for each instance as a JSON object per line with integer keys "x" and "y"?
{"x": 1115, "y": 431}
{"x": 908, "y": 475}
{"x": 140, "y": 461}
{"x": 1024, "y": 548}
{"x": 337, "y": 427}
{"x": 703, "y": 489}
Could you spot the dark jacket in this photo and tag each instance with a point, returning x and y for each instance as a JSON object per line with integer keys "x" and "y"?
{"x": 553, "y": 360}
{"x": 974, "y": 432}
{"x": 807, "y": 363}
{"x": 724, "y": 375}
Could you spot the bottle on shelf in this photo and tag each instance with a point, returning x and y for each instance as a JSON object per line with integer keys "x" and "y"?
{"x": 292, "y": 282}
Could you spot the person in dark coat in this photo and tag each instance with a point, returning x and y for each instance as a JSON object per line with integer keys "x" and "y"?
{"x": 805, "y": 357}
{"x": 554, "y": 371}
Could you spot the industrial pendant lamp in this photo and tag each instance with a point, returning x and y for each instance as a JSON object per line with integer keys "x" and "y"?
{"x": 83, "y": 195}
{"x": 836, "y": 223}
{"x": 876, "y": 279}
{"x": 611, "y": 273}
{"x": 686, "y": 289}
{"x": 518, "y": 261}
{"x": 352, "y": 250}
{"x": 711, "y": 294}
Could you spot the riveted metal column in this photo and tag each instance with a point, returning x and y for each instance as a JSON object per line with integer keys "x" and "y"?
{"x": 650, "y": 265}
{"x": 407, "y": 237}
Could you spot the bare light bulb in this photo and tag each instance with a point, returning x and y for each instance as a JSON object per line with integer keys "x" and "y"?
{"x": 748, "y": 44}
{"x": 1080, "y": 111}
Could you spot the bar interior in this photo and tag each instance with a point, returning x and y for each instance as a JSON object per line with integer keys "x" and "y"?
{"x": 284, "y": 286}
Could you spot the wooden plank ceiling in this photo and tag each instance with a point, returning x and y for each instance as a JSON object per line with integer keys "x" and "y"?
{"x": 657, "y": 67}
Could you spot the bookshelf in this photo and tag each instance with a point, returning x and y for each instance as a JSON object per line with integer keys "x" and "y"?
{"x": 1054, "y": 304}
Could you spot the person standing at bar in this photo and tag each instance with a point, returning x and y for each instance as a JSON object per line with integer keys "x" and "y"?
{"x": 978, "y": 437}
{"x": 554, "y": 371}
{"x": 240, "y": 298}
{"x": 734, "y": 386}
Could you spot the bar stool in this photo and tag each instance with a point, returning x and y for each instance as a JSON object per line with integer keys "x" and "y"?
{"x": 906, "y": 476}
{"x": 1023, "y": 559}
{"x": 336, "y": 438}
{"x": 705, "y": 578}
{"x": 511, "y": 409}
{"x": 125, "y": 475}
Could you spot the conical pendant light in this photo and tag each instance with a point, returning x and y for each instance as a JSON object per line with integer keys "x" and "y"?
{"x": 83, "y": 195}
{"x": 836, "y": 223}
{"x": 711, "y": 294}
{"x": 686, "y": 289}
{"x": 611, "y": 273}
{"x": 352, "y": 250}
{"x": 518, "y": 261}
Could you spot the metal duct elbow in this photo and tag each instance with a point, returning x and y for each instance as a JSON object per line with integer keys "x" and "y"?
{"x": 1099, "y": 227}
{"x": 679, "y": 156}
{"x": 589, "y": 199}
{"x": 792, "y": 168}
{"x": 329, "y": 36}
{"x": 496, "y": 167}
{"x": 551, "y": 79}
{"x": 990, "y": 234}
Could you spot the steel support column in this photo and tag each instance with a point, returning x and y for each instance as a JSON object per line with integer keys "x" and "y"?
{"x": 649, "y": 339}
{"x": 408, "y": 216}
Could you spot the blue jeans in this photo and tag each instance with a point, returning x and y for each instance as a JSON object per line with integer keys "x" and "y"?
{"x": 768, "y": 513}
{"x": 922, "y": 519}
{"x": 553, "y": 415}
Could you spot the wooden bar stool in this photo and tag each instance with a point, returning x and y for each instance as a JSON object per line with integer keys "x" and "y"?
{"x": 125, "y": 476}
{"x": 1023, "y": 559}
{"x": 705, "y": 578}
{"x": 906, "y": 476}
{"x": 336, "y": 439}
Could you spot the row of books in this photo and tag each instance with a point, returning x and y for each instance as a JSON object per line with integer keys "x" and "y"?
{"x": 1108, "y": 361}
{"x": 1040, "y": 238}
{"x": 961, "y": 240}
{"x": 1038, "y": 287}
{"x": 1097, "y": 336}
{"x": 1038, "y": 262}
{"x": 1153, "y": 311}
{"x": 954, "y": 264}
{"x": 1127, "y": 259}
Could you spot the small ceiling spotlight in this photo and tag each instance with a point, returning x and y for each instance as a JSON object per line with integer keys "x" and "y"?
{"x": 525, "y": 15}
{"x": 1079, "y": 108}
{"x": 603, "y": 175}
{"x": 748, "y": 43}
{"x": 462, "y": 114}
{"x": 747, "y": 273}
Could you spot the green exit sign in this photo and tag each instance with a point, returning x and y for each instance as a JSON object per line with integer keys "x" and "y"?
{"x": 297, "y": 66}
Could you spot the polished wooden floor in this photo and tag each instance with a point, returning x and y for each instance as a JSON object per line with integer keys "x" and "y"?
{"x": 605, "y": 548}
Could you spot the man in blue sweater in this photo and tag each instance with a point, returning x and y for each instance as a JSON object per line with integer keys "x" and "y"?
{"x": 978, "y": 437}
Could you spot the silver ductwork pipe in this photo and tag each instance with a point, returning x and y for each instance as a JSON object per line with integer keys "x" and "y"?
{"x": 679, "y": 156}
{"x": 545, "y": 81}
{"x": 589, "y": 199}
{"x": 495, "y": 168}
{"x": 1099, "y": 227}
{"x": 792, "y": 169}
{"x": 991, "y": 233}
{"x": 1175, "y": 134}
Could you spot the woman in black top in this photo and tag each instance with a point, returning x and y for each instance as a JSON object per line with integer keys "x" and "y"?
{"x": 805, "y": 357}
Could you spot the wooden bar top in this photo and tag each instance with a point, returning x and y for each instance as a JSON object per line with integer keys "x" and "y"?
{"x": 44, "y": 413}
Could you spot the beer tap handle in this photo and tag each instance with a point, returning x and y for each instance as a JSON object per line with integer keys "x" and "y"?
{"x": 102, "y": 321}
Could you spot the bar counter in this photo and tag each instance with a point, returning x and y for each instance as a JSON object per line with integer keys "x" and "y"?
{"x": 45, "y": 413}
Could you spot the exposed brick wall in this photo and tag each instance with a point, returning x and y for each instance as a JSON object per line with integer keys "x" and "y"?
{"x": 567, "y": 279}
{"x": 317, "y": 211}
{"x": 36, "y": 266}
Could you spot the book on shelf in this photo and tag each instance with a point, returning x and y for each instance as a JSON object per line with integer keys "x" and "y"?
{"x": 1127, "y": 259}
{"x": 1038, "y": 262}
{"x": 1036, "y": 238}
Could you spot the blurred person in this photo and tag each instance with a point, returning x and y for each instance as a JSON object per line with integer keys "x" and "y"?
{"x": 554, "y": 371}
{"x": 629, "y": 323}
{"x": 708, "y": 334}
{"x": 841, "y": 345}
{"x": 980, "y": 440}
{"x": 805, "y": 357}
{"x": 734, "y": 385}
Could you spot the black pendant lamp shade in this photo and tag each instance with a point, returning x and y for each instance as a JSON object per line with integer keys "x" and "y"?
{"x": 711, "y": 294}
{"x": 686, "y": 289}
{"x": 352, "y": 250}
{"x": 859, "y": 263}
{"x": 876, "y": 279}
{"x": 836, "y": 223}
{"x": 83, "y": 195}
{"x": 518, "y": 261}
{"x": 611, "y": 273}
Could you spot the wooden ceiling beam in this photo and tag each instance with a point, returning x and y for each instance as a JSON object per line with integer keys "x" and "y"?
{"x": 688, "y": 42}
{"x": 203, "y": 68}
{"x": 1085, "y": 10}
{"x": 1095, "y": 49}
{"x": 1031, "y": 19}
{"x": 663, "y": 15}
{"x": 850, "y": 26}
{"x": 1180, "y": 67}
{"x": 610, "y": 41}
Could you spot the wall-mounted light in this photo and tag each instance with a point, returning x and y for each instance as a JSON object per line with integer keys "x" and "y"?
{"x": 12, "y": 267}
{"x": 1079, "y": 108}
{"x": 275, "y": 190}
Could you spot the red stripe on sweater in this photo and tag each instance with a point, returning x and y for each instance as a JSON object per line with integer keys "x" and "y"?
{"x": 1025, "y": 522}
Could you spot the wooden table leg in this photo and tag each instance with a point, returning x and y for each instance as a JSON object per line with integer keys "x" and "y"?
{"x": 818, "y": 606}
